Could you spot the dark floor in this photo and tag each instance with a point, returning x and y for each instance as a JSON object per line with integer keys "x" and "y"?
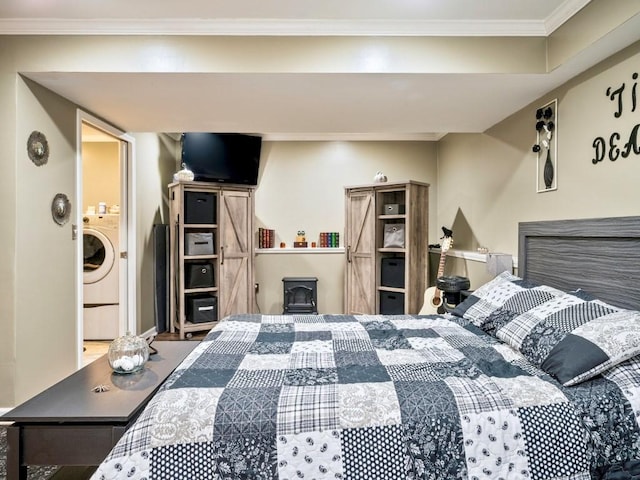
{"x": 176, "y": 336}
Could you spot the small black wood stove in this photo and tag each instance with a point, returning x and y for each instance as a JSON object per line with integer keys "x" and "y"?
{"x": 300, "y": 295}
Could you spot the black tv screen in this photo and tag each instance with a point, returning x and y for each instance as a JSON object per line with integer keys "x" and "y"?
{"x": 222, "y": 157}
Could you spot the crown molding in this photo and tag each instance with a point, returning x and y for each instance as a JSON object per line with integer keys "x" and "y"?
{"x": 352, "y": 137}
{"x": 338, "y": 137}
{"x": 291, "y": 27}
{"x": 564, "y": 12}
{"x": 262, "y": 27}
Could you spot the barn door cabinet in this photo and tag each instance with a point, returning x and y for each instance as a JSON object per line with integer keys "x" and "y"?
{"x": 211, "y": 254}
{"x": 386, "y": 273}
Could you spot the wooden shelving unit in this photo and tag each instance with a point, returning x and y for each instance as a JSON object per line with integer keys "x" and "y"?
{"x": 232, "y": 258}
{"x": 365, "y": 246}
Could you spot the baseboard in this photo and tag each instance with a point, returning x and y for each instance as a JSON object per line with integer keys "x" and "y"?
{"x": 152, "y": 332}
{"x": 2, "y": 412}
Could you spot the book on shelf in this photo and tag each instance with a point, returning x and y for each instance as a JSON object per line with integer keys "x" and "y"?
{"x": 329, "y": 239}
{"x": 266, "y": 238}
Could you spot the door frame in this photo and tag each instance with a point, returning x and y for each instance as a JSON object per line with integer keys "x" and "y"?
{"x": 128, "y": 283}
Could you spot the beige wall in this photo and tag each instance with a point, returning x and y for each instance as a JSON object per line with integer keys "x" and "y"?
{"x": 156, "y": 156}
{"x": 45, "y": 252}
{"x": 302, "y": 188}
{"x": 8, "y": 216}
{"x": 487, "y": 182}
{"x": 100, "y": 174}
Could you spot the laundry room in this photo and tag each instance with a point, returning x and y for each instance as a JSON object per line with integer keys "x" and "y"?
{"x": 101, "y": 234}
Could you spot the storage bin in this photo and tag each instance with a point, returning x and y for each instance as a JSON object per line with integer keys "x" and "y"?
{"x": 392, "y": 272}
{"x": 199, "y": 207}
{"x": 198, "y": 243}
{"x": 391, "y": 303}
{"x": 393, "y": 209}
{"x": 202, "y": 308}
{"x": 393, "y": 235}
{"x": 198, "y": 275}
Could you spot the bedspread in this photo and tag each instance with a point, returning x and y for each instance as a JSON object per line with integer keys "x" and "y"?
{"x": 374, "y": 397}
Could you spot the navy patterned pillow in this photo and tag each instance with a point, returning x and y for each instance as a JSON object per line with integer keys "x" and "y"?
{"x": 574, "y": 337}
{"x": 502, "y": 299}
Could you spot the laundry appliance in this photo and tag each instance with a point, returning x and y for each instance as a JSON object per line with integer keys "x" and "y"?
{"x": 101, "y": 277}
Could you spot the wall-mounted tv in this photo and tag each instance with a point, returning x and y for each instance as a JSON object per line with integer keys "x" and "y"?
{"x": 222, "y": 157}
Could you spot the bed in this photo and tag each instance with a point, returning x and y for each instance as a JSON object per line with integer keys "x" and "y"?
{"x": 535, "y": 376}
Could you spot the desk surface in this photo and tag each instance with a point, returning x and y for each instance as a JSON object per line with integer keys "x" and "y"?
{"x": 73, "y": 400}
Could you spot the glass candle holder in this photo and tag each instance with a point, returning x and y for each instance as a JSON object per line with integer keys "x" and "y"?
{"x": 128, "y": 354}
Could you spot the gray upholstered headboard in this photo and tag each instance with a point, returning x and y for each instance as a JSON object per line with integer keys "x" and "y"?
{"x": 601, "y": 256}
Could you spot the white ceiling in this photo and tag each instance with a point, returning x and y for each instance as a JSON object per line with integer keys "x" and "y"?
{"x": 397, "y": 105}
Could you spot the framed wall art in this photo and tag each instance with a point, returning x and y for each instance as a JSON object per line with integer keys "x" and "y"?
{"x": 546, "y": 147}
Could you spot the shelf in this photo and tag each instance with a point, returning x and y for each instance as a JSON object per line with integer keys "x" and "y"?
{"x": 200, "y": 226}
{"x": 308, "y": 250}
{"x": 224, "y": 215}
{"x": 369, "y": 209}
{"x": 201, "y": 290}
{"x": 469, "y": 255}
{"x": 382, "y": 288}
{"x": 200, "y": 257}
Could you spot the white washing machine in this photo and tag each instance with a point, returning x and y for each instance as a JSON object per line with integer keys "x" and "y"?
{"x": 100, "y": 239}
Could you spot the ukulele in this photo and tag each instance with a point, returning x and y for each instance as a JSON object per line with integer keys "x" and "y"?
{"x": 433, "y": 300}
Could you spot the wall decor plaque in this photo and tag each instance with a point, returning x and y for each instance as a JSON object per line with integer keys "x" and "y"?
{"x": 546, "y": 147}
{"x": 60, "y": 209}
{"x": 38, "y": 148}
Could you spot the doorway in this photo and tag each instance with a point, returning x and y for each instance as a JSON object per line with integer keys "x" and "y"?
{"x": 105, "y": 277}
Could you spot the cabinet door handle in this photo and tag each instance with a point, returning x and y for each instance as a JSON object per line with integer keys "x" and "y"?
{"x": 349, "y": 254}
{"x": 221, "y": 255}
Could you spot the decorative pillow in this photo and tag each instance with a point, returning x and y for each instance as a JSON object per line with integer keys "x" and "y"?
{"x": 574, "y": 337}
{"x": 502, "y": 299}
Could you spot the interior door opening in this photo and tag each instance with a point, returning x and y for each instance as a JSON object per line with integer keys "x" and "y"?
{"x": 101, "y": 199}
{"x": 104, "y": 187}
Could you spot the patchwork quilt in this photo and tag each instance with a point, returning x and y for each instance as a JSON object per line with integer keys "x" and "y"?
{"x": 375, "y": 397}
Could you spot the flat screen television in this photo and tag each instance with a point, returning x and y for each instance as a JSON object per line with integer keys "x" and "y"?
{"x": 222, "y": 157}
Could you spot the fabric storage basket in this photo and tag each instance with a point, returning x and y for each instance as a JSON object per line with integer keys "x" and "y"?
{"x": 198, "y": 243}
{"x": 393, "y": 209}
{"x": 393, "y": 235}
{"x": 199, "y": 208}
{"x": 392, "y": 272}
{"x": 391, "y": 303}
{"x": 198, "y": 275}
{"x": 202, "y": 308}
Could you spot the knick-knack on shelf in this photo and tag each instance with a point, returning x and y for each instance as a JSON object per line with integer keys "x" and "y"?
{"x": 380, "y": 177}
{"x": 128, "y": 354}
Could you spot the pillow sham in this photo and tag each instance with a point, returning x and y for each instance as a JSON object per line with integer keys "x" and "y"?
{"x": 502, "y": 299}
{"x": 574, "y": 337}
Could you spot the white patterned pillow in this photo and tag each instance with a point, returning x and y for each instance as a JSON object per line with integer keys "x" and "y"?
{"x": 574, "y": 337}
{"x": 502, "y": 299}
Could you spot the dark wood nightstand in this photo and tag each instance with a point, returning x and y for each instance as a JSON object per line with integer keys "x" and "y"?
{"x": 70, "y": 424}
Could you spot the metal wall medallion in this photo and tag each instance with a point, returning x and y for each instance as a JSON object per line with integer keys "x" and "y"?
{"x": 60, "y": 209}
{"x": 38, "y": 148}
